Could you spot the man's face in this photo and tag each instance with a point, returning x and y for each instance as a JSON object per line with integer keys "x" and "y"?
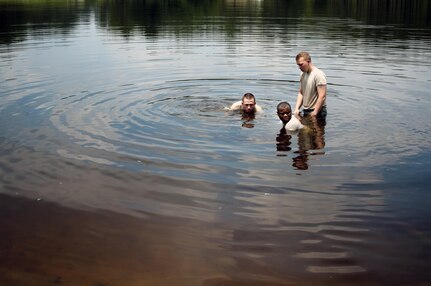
{"x": 285, "y": 114}
{"x": 303, "y": 65}
{"x": 248, "y": 105}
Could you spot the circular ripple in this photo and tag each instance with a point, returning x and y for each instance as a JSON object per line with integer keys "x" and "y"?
{"x": 174, "y": 128}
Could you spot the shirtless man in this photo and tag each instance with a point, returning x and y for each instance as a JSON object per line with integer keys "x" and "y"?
{"x": 247, "y": 104}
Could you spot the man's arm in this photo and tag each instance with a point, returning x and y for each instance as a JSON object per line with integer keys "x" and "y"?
{"x": 298, "y": 102}
{"x": 321, "y": 92}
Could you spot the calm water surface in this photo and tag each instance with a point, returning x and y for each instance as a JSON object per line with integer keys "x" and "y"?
{"x": 120, "y": 166}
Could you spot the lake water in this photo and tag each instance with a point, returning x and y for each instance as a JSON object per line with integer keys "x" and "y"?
{"x": 120, "y": 166}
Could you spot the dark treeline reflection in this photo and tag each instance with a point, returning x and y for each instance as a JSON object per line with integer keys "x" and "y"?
{"x": 411, "y": 13}
{"x": 18, "y": 18}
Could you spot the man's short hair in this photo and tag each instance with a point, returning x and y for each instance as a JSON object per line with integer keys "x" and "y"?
{"x": 249, "y": 95}
{"x": 306, "y": 56}
{"x": 283, "y": 105}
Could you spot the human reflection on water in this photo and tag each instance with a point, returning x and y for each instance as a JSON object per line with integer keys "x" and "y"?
{"x": 311, "y": 138}
{"x": 247, "y": 119}
{"x": 311, "y": 141}
{"x": 283, "y": 141}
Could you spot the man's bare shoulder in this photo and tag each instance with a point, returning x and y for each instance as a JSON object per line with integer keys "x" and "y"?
{"x": 258, "y": 108}
{"x": 236, "y": 105}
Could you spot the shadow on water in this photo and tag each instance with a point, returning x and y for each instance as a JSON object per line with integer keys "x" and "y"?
{"x": 43, "y": 243}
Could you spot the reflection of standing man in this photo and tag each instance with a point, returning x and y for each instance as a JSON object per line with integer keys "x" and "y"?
{"x": 310, "y": 139}
{"x": 312, "y": 88}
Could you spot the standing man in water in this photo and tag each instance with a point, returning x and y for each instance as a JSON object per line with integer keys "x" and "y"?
{"x": 247, "y": 105}
{"x": 312, "y": 88}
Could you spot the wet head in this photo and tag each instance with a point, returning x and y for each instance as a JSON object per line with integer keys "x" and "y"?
{"x": 248, "y": 104}
{"x": 284, "y": 112}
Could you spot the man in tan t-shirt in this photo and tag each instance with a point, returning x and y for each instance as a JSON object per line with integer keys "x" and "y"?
{"x": 312, "y": 88}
